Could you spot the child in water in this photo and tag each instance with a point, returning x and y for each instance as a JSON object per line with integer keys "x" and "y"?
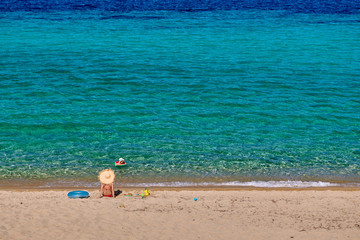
{"x": 107, "y": 178}
{"x": 120, "y": 162}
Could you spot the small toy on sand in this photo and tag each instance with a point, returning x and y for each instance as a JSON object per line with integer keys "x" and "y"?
{"x": 146, "y": 192}
{"x": 120, "y": 163}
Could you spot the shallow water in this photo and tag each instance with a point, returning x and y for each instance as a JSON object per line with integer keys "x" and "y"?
{"x": 186, "y": 97}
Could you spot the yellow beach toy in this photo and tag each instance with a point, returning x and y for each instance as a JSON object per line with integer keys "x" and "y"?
{"x": 146, "y": 192}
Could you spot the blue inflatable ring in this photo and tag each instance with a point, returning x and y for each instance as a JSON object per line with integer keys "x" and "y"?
{"x": 78, "y": 194}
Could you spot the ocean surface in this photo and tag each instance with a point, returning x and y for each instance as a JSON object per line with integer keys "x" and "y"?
{"x": 189, "y": 93}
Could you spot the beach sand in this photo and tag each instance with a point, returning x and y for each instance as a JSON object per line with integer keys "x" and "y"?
{"x": 173, "y": 214}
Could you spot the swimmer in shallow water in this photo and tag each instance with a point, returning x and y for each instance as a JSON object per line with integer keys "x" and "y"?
{"x": 120, "y": 162}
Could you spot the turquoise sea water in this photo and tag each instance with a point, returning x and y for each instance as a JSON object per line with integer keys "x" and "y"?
{"x": 226, "y": 97}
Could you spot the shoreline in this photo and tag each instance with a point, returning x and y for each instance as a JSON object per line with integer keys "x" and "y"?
{"x": 43, "y": 184}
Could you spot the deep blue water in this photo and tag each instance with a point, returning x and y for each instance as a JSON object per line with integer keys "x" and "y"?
{"x": 188, "y": 92}
{"x": 293, "y": 6}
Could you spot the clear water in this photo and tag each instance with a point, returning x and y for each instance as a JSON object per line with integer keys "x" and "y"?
{"x": 222, "y": 97}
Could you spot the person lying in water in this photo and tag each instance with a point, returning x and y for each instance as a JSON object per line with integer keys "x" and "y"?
{"x": 120, "y": 162}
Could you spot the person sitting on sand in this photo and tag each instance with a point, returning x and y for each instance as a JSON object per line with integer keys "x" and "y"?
{"x": 107, "y": 178}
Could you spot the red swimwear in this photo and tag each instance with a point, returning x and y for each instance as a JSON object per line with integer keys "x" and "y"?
{"x": 107, "y": 195}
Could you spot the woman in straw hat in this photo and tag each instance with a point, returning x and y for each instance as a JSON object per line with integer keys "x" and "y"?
{"x": 107, "y": 178}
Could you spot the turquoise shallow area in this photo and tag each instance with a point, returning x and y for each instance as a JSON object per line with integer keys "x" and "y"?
{"x": 183, "y": 96}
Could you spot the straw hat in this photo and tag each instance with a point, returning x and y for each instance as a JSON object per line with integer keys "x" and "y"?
{"x": 107, "y": 176}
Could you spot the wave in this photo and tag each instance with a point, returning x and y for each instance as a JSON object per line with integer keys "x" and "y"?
{"x": 80, "y": 184}
{"x": 257, "y": 184}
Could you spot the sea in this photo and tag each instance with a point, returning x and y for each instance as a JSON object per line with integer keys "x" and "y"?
{"x": 224, "y": 93}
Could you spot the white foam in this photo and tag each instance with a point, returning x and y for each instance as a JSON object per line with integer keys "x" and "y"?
{"x": 282, "y": 184}
{"x": 256, "y": 184}
{"x": 260, "y": 184}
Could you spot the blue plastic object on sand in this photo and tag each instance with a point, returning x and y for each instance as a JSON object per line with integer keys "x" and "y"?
{"x": 78, "y": 194}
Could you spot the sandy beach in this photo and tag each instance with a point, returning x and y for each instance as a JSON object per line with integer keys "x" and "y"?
{"x": 173, "y": 214}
